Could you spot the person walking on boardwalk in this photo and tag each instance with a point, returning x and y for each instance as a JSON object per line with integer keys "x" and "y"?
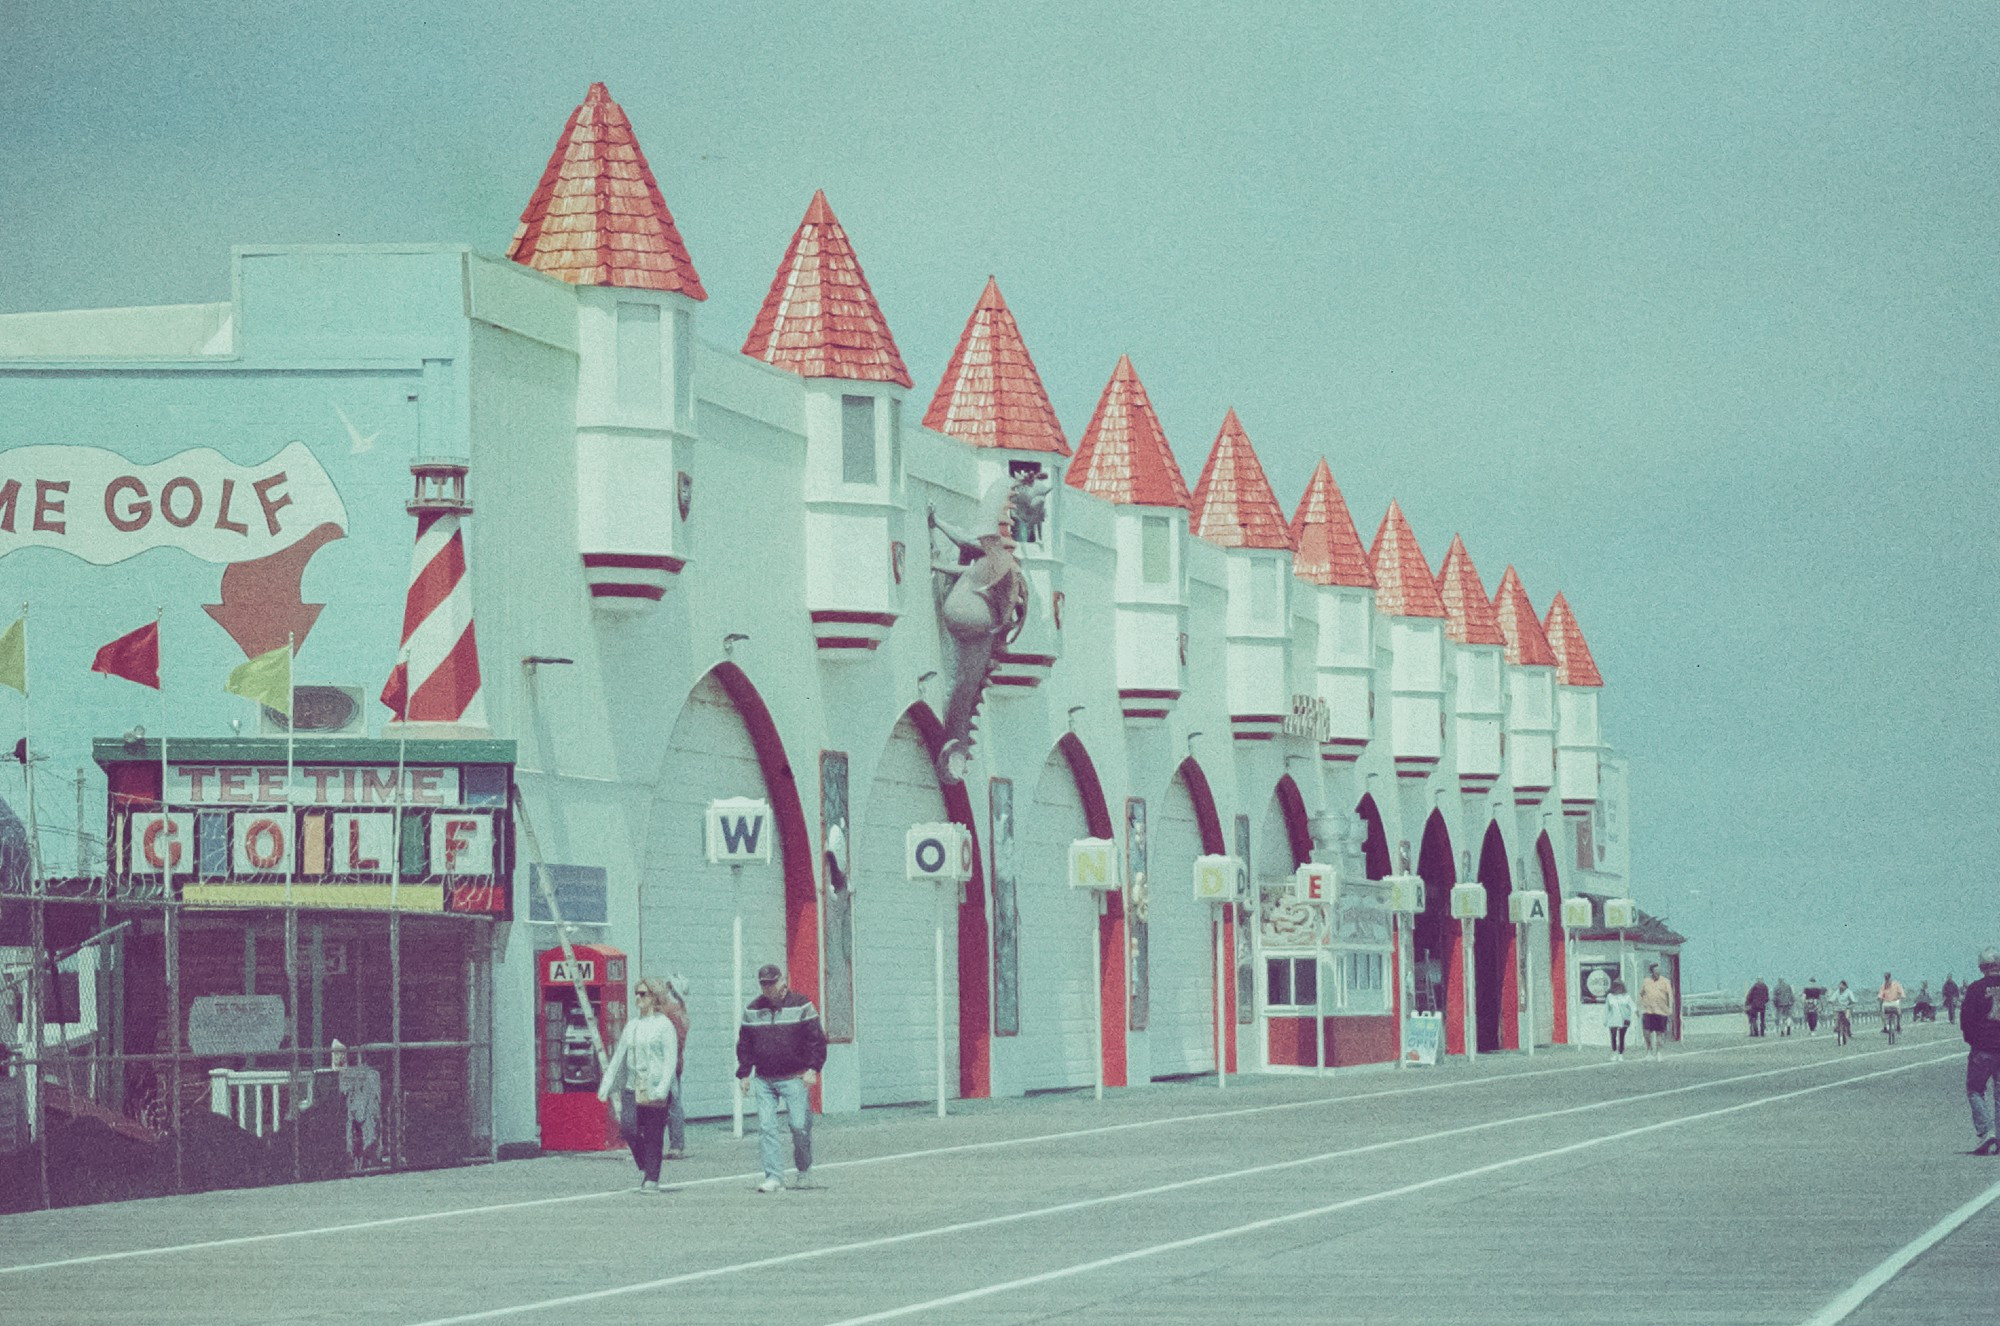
{"x": 1950, "y": 997}
{"x": 1842, "y": 1000}
{"x": 1656, "y": 1005}
{"x": 1618, "y": 1018}
{"x": 1782, "y": 1003}
{"x": 1756, "y": 1004}
{"x": 780, "y": 1041}
{"x": 1981, "y": 1028}
{"x": 674, "y": 989}
{"x": 644, "y": 1061}
{"x": 1814, "y": 995}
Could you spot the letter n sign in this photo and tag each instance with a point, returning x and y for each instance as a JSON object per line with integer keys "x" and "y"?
{"x": 739, "y": 831}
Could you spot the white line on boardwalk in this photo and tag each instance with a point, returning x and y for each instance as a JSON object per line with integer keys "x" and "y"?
{"x": 526, "y": 1204}
{"x": 911, "y": 1236}
{"x": 1255, "y": 1226}
{"x": 1865, "y": 1287}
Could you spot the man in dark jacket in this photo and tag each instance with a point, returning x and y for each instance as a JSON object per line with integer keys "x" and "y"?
{"x": 781, "y": 1042}
{"x": 1760, "y": 998}
{"x": 1979, "y": 1020}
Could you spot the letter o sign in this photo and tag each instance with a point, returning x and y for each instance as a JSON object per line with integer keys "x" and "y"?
{"x": 930, "y": 856}
{"x": 262, "y": 843}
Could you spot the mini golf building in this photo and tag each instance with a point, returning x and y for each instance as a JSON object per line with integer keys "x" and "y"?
{"x": 618, "y": 652}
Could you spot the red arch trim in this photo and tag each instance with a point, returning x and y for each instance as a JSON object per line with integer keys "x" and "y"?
{"x": 1558, "y": 947}
{"x": 795, "y": 843}
{"x": 1111, "y": 925}
{"x": 975, "y": 958}
{"x": 1209, "y": 822}
{"x": 1206, "y": 818}
{"x": 1298, "y": 826}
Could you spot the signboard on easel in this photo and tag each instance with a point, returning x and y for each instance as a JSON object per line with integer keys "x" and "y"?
{"x": 1423, "y": 1036}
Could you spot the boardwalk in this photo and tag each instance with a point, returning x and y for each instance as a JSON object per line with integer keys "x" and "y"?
{"x": 1734, "y": 1182}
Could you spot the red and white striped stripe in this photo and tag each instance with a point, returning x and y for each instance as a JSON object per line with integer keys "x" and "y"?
{"x": 437, "y": 668}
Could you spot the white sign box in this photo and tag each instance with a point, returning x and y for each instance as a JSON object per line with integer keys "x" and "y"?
{"x": 462, "y": 843}
{"x": 260, "y": 842}
{"x": 363, "y": 842}
{"x": 1468, "y": 902}
{"x": 739, "y": 831}
{"x": 1215, "y": 878}
{"x": 1406, "y": 893}
{"x": 1093, "y": 864}
{"x": 1315, "y": 882}
{"x": 1576, "y": 913}
{"x": 938, "y": 853}
{"x": 1619, "y": 913}
{"x": 1526, "y": 906}
{"x": 160, "y": 842}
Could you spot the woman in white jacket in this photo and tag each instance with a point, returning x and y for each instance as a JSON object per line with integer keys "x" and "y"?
{"x": 643, "y": 1061}
{"x": 1618, "y": 1017}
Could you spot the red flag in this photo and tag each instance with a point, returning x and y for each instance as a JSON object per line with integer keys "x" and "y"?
{"x": 135, "y": 656}
{"x": 396, "y": 692}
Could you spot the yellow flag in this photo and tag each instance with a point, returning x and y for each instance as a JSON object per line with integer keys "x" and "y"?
{"x": 14, "y": 656}
{"x": 267, "y": 679}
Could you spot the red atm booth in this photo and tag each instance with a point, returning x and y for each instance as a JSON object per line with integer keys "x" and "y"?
{"x": 570, "y": 1115}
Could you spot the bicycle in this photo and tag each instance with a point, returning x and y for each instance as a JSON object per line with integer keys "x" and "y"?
{"x": 1843, "y": 1027}
{"x": 1892, "y": 1023}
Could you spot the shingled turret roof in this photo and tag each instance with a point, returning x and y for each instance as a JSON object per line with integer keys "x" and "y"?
{"x": 1403, "y": 584}
{"x": 597, "y": 217}
{"x": 820, "y": 319}
{"x": 1468, "y": 613}
{"x": 1574, "y": 665}
{"x": 1233, "y": 502}
{"x": 1527, "y": 646}
{"x": 1124, "y": 456}
{"x": 1327, "y": 547}
{"x": 991, "y": 395}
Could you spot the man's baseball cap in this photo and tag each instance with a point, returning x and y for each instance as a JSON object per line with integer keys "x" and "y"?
{"x": 1989, "y": 958}
{"x": 768, "y": 973}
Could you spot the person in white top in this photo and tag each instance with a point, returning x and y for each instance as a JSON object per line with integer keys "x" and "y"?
{"x": 644, "y": 1060}
{"x": 1618, "y": 1017}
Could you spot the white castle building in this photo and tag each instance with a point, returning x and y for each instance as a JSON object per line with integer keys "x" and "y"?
{"x": 701, "y": 573}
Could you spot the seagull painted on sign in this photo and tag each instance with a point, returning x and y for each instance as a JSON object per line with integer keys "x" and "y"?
{"x": 359, "y": 444}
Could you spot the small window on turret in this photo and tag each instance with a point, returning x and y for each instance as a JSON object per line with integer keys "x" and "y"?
{"x": 857, "y": 439}
{"x": 1263, "y": 594}
{"x": 683, "y": 370}
{"x": 1156, "y": 550}
{"x": 638, "y": 356}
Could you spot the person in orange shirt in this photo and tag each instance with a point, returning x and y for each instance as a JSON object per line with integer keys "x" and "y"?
{"x": 1656, "y": 1005}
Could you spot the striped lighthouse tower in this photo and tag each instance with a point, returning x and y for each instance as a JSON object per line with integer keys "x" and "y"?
{"x": 436, "y": 680}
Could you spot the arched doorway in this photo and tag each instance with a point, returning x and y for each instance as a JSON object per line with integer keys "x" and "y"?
{"x": 1439, "y": 973}
{"x": 1292, "y": 964}
{"x": 894, "y": 931}
{"x": 1057, "y": 1045}
{"x": 724, "y": 744}
{"x": 1495, "y": 979}
{"x": 1559, "y": 1010}
{"x": 1180, "y": 929}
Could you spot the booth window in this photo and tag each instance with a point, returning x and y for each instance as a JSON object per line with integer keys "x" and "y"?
{"x": 1291, "y": 982}
{"x": 857, "y": 439}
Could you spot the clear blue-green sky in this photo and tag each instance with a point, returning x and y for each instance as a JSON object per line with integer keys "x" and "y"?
{"x": 1687, "y": 311}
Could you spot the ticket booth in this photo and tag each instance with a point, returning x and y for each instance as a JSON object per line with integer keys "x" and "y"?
{"x": 570, "y": 1064}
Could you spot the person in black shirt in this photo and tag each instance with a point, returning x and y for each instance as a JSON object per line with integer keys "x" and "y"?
{"x": 1981, "y": 1028}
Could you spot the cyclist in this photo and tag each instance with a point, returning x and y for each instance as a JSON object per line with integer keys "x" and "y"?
{"x": 1890, "y": 996}
{"x": 1814, "y": 995}
{"x": 1842, "y": 1000}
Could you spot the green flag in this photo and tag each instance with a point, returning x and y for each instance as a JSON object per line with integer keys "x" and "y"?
{"x": 267, "y": 679}
{"x": 14, "y": 656}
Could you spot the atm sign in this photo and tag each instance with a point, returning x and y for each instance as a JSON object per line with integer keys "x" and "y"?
{"x": 583, "y": 969}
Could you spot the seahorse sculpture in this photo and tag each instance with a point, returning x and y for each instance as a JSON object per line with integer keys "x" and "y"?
{"x": 982, "y": 604}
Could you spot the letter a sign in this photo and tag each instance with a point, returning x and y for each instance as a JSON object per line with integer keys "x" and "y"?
{"x": 739, "y": 831}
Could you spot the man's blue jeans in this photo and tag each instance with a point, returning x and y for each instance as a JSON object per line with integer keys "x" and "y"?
{"x": 1982, "y": 1069}
{"x": 791, "y": 1093}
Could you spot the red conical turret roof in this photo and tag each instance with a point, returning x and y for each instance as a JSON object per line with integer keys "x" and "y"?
{"x": 1233, "y": 502}
{"x": 1403, "y": 584}
{"x": 820, "y": 319}
{"x": 991, "y": 395}
{"x": 597, "y": 217}
{"x": 1574, "y": 665}
{"x": 1468, "y": 613}
{"x": 1527, "y": 646}
{"x": 1327, "y": 547}
{"x": 1124, "y": 456}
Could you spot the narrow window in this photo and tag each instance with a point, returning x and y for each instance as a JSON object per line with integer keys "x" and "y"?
{"x": 1263, "y": 595}
{"x": 639, "y": 356}
{"x": 895, "y": 444}
{"x": 1156, "y": 553}
{"x": 857, "y": 439}
{"x": 683, "y": 370}
{"x": 1278, "y": 983}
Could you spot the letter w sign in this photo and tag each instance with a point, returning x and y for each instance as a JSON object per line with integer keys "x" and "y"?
{"x": 739, "y": 831}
